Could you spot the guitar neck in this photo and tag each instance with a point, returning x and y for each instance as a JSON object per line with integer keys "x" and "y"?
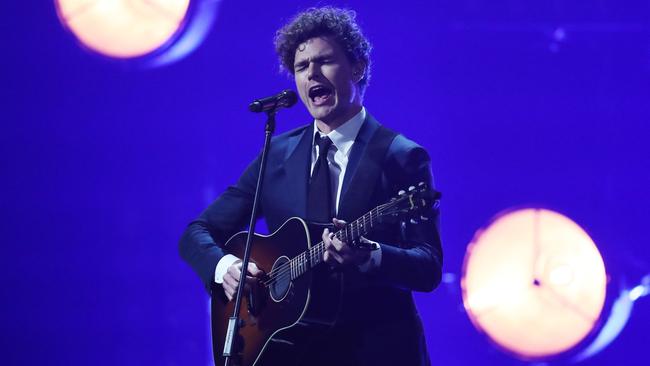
{"x": 350, "y": 233}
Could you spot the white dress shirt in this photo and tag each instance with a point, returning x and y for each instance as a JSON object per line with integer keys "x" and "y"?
{"x": 338, "y": 155}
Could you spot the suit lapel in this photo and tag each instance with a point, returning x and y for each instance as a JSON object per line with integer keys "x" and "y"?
{"x": 364, "y": 166}
{"x": 295, "y": 169}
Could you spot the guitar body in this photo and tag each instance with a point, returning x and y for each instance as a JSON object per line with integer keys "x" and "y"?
{"x": 278, "y": 319}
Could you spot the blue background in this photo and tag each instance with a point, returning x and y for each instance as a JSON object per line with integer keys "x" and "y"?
{"x": 518, "y": 102}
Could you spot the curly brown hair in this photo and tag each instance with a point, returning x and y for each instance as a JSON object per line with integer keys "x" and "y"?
{"x": 326, "y": 21}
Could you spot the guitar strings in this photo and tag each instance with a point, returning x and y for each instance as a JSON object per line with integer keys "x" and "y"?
{"x": 286, "y": 269}
{"x": 282, "y": 272}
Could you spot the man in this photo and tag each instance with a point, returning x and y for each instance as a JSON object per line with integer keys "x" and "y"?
{"x": 360, "y": 164}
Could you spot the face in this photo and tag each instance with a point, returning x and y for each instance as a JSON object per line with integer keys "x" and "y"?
{"x": 327, "y": 81}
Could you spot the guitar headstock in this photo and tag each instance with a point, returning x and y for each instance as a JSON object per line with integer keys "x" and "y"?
{"x": 412, "y": 204}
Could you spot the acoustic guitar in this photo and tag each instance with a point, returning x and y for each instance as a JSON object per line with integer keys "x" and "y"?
{"x": 296, "y": 298}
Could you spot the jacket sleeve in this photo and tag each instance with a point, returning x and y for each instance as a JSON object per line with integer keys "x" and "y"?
{"x": 201, "y": 245}
{"x": 414, "y": 261}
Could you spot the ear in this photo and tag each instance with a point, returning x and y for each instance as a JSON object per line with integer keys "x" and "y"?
{"x": 358, "y": 71}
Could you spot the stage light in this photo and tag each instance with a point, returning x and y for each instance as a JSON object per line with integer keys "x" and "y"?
{"x": 534, "y": 282}
{"x": 142, "y": 30}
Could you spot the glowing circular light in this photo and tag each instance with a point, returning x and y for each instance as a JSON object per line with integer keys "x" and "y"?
{"x": 534, "y": 282}
{"x": 123, "y": 28}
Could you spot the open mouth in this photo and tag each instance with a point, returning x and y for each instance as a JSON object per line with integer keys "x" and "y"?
{"x": 319, "y": 94}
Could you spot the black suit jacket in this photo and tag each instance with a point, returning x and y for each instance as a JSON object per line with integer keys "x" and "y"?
{"x": 378, "y": 320}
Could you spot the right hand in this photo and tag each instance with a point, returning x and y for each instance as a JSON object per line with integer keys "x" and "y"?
{"x": 231, "y": 278}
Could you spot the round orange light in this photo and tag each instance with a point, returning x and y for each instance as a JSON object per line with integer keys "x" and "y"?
{"x": 534, "y": 282}
{"x": 123, "y": 28}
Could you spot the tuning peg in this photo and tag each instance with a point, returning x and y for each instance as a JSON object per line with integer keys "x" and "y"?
{"x": 422, "y": 184}
{"x": 424, "y": 218}
{"x": 401, "y": 192}
{"x": 414, "y": 222}
{"x": 411, "y": 188}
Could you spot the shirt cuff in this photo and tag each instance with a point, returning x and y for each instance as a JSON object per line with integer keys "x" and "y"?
{"x": 222, "y": 267}
{"x": 374, "y": 261}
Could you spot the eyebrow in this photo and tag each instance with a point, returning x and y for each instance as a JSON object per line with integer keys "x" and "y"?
{"x": 318, "y": 58}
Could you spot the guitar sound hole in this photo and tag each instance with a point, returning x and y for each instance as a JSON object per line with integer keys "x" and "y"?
{"x": 281, "y": 284}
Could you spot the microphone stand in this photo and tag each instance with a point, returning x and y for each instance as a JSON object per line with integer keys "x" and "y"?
{"x": 234, "y": 321}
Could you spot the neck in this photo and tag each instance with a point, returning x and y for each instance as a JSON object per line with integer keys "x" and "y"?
{"x": 329, "y": 126}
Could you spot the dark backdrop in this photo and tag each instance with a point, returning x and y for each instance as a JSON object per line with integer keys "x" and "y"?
{"x": 519, "y": 103}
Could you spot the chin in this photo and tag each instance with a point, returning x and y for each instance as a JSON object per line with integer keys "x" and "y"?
{"x": 324, "y": 113}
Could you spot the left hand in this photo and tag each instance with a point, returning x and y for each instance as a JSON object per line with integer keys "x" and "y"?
{"x": 339, "y": 253}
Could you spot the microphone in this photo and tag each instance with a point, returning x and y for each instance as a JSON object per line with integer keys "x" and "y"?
{"x": 285, "y": 99}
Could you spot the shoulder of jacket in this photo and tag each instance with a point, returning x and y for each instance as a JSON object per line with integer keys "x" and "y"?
{"x": 291, "y": 133}
{"x": 402, "y": 144}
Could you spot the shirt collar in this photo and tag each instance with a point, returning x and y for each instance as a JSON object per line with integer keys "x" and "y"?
{"x": 343, "y": 137}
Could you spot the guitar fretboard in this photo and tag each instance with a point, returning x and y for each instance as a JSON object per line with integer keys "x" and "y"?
{"x": 350, "y": 234}
{"x": 404, "y": 203}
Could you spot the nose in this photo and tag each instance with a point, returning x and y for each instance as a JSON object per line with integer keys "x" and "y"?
{"x": 313, "y": 70}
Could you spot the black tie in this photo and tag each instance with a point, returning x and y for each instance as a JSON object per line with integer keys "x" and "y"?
{"x": 319, "y": 204}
